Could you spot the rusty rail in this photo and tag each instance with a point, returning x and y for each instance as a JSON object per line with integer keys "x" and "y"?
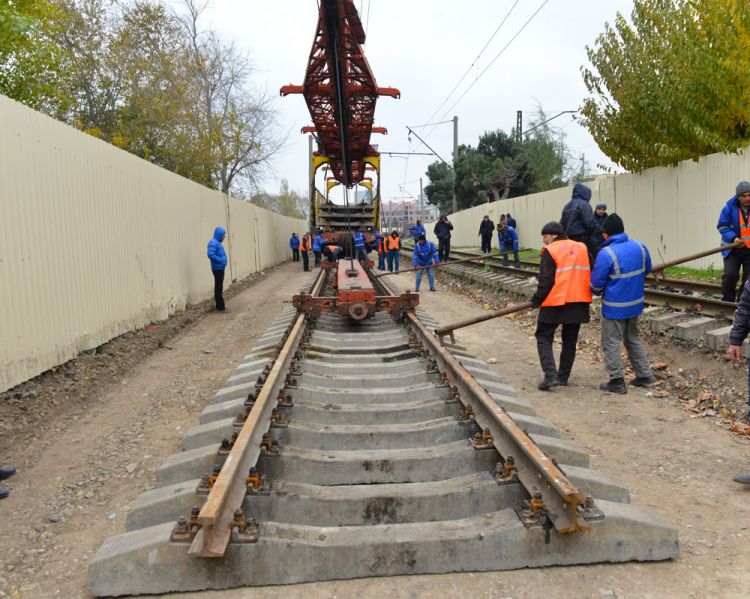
{"x": 230, "y": 488}
{"x": 442, "y": 332}
{"x": 475, "y": 259}
{"x": 692, "y": 257}
{"x": 535, "y": 470}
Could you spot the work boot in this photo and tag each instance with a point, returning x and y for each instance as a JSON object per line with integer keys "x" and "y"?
{"x": 433, "y": 289}
{"x": 615, "y": 386}
{"x": 548, "y": 382}
{"x": 743, "y": 478}
{"x": 4, "y": 492}
{"x": 644, "y": 381}
{"x": 562, "y": 379}
{"x": 7, "y": 472}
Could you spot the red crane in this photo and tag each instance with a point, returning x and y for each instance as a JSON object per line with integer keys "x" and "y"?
{"x": 341, "y": 92}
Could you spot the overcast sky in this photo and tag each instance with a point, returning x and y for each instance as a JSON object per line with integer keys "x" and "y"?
{"x": 423, "y": 47}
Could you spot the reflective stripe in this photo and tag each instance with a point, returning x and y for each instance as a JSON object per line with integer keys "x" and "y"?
{"x": 572, "y": 268}
{"x": 618, "y": 273}
{"x": 623, "y": 304}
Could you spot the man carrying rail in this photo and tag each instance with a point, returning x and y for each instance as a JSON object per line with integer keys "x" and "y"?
{"x": 425, "y": 258}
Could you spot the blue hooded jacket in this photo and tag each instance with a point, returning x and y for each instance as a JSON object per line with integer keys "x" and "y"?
{"x": 577, "y": 216}
{"x": 729, "y": 223}
{"x": 294, "y": 242}
{"x": 620, "y": 272}
{"x": 359, "y": 239}
{"x": 216, "y": 252}
{"x": 425, "y": 254}
{"x": 416, "y": 231}
{"x": 316, "y": 243}
{"x": 508, "y": 239}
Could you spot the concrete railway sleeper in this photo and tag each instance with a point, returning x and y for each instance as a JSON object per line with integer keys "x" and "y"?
{"x": 379, "y": 454}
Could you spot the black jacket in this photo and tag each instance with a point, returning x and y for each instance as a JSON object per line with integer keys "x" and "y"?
{"x": 599, "y": 222}
{"x": 443, "y": 230}
{"x": 486, "y": 228}
{"x": 512, "y": 223}
{"x": 577, "y": 217}
{"x": 741, "y": 322}
{"x": 565, "y": 314}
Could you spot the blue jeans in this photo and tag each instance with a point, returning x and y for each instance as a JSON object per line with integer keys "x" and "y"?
{"x": 381, "y": 261}
{"x": 393, "y": 256}
{"x": 430, "y": 276}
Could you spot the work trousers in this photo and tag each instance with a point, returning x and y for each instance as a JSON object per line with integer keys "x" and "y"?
{"x": 394, "y": 256}
{"x": 295, "y": 255}
{"x": 487, "y": 243}
{"x": 738, "y": 258}
{"x": 219, "y": 289}
{"x": 306, "y": 261}
{"x": 614, "y": 334}
{"x": 516, "y": 260}
{"x": 545, "y": 333}
{"x": 317, "y": 257}
{"x": 361, "y": 253}
{"x": 444, "y": 248}
{"x": 430, "y": 276}
{"x": 381, "y": 261}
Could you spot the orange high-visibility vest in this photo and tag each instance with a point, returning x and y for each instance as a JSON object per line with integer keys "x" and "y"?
{"x": 572, "y": 274}
{"x": 305, "y": 245}
{"x": 392, "y": 243}
{"x": 381, "y": 245}
{"x": 744, "y": 228}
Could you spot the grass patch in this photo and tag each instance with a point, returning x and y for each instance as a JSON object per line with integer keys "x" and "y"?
{"x": 710, "y": 274}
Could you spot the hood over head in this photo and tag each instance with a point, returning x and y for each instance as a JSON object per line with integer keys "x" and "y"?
{"x": 219, "y": 232}
{"x": 581, "y": 192}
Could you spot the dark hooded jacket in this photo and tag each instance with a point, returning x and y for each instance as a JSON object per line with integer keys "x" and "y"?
{"x": 577, "y": 217}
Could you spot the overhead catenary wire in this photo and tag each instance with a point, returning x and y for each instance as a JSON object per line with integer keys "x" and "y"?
{"x": 498, "y": 55}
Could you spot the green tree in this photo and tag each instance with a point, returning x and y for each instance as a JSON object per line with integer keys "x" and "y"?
{"x": 672, "y": 84}
{"x": 30, "y": 60}
{"x": 287, "y": 202}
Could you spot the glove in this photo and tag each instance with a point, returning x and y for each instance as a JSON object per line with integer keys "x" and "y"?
{"x": 417, "y": 267}
{"x": 437, "y": 263}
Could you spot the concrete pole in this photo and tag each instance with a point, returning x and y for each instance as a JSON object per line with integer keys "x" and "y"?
{"x": 421, "y": 202}
{"x": 311, "y": 176}
{"x": 455, "y": 161}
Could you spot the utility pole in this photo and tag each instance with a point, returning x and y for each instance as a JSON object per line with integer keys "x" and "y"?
{"x": 455, "y": 161}
{"x": 519, "y": 125}
{"x": 311, "y": 176}
{"x": 421, "y": 201}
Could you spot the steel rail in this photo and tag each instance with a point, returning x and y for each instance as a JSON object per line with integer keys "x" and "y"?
{"x": 535, "y": 470}
{"x": 230, "y": 487}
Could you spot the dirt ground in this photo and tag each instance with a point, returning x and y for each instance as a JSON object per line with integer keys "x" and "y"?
{"x": 100, "y": 450}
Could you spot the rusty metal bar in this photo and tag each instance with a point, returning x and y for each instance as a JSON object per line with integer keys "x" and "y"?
{"x": 449, "y": 328}
{"x": 386, "y": 274}
{"x": 692, "y": 257}
{"x": 230, "y": 488}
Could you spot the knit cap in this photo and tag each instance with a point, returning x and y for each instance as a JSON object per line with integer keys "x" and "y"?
{"x": 742, "y": 188}
{"x": 553, "y": 228}
{"x": 613, "y": 225}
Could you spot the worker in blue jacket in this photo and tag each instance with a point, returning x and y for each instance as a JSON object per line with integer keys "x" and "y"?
{"x": 740, "y": 329}
{"x": 425, "y": 257}
{"x": 294, "y": 246}
{"x": 417, "y": 230}
{"x": 734, "y": 226}
{"x": 508, "y": 241}
{"x": 218, "y": 258}
{"x": 316, "y": 247}
{"x": 360, "y": 251}
{"x": 619, "y": 275}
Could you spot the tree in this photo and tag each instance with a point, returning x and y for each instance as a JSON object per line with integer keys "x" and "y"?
{"x": 287, "y": 202}
{"x": 30, "y": 60}
{"x": 673, "y": 84}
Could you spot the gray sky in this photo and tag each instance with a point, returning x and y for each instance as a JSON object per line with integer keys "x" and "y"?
{"x": 423, "y": 47}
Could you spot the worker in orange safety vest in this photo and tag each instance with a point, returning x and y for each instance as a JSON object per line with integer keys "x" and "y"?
{"x": 304, "y": 247}
{"x": 563, "y": 296}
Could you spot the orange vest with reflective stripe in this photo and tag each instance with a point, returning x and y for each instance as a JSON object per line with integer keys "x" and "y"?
{"x": 381, "y": 245}
{"x": 572, "y": 273}
{"x": 393, "y": 243}
{"x": 744, "y": 228}
{"x": 305, "y": 245}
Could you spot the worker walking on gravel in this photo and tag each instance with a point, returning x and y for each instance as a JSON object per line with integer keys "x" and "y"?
{"x": 442, "y": 231}
{"x": 425, "y": 258}
{"x": 619, "y": 275}
{"x": 304, "y": 247}
{"x": 486, "y": 228}
{"x": 734, "y": 225}
{"x": 294, "y": 246}
{"x": 508, "y": 242}
{"x": 218, "y": 258}
{"x": 393, "y": 250}
{"x": 737, "y": 335}
{"x": 563, "y": 296}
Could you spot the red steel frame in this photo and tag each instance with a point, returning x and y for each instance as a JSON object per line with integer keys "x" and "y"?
{"x": 341, "y": 95}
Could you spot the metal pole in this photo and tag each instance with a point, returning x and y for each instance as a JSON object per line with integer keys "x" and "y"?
{"x": 519, "y": 125}
{"x": 421, "y": 202}
{"x": 449, "y": 328}
{"x": 451, "y": 263}
{"x": 311, "y": 175}
{"x": 691, "y": 257}
{"x": 455, "y": 161}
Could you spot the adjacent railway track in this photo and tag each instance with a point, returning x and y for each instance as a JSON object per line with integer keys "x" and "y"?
{"x": 343, "y": 449}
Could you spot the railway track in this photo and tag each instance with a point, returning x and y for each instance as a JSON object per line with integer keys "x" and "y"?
{"x": 342, "y": 449}
{"x": 679, "y": 294}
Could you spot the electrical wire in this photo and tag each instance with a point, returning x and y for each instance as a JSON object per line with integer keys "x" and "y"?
{"x": 487, "y": 68}
{"x": 471, "y": 66}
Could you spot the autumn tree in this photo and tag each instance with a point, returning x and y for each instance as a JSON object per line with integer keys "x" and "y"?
{"x": 671, "y": 84}
{"x": 287, "y": 202}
